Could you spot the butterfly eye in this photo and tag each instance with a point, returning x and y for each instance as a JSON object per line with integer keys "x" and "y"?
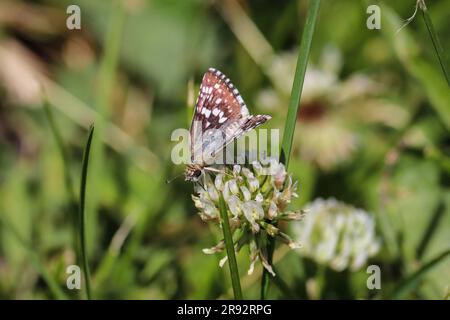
{"x": 197, "y": 173}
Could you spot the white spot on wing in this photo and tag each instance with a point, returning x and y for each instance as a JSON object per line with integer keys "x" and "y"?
{"x": 206, "y": 112}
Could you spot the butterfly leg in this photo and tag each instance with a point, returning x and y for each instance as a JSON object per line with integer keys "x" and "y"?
{"x": 210, "y": 169}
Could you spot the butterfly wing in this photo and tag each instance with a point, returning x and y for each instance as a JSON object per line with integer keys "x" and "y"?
{"x": 220, "y": 109}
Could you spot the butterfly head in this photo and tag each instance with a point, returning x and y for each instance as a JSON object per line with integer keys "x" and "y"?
{"x": 193, "y": 172}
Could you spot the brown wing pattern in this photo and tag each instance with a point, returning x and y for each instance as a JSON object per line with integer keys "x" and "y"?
{"x": 219, "y": 109}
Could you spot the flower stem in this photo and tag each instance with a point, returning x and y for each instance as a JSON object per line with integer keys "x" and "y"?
{"x": 82, "y": 215}
{"x": 291, "y": 119}
{"x": 234, "y": 272}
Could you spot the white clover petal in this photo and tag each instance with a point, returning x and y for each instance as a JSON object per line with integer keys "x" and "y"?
{"x": 273, "y": 209}
{"x": 253, "y": 184}
{"x": 246, "y": 193}
{"x": 222, "y": 261}
{"x": 210, "y": 210}
{"x": 253, "y": 212}
{"x": 279, "y": 176}
{"x": 248, "y": 173}
{"x": 257, "y": 167}
{"x": 217, "y": 248}
{"x": 218, "y": 182}
{"x": 232, "y": 184}
{"x": 266, "y": 265}
{"x": 234, "y": 204}
{"x": 251, "y": 267}
{"x": 213, "y": 194}
{"x": 294, "y": 245}
{"x": 226, "y": 191}
{"x": 259, "y": 198}
{"x": 197, "y": 202}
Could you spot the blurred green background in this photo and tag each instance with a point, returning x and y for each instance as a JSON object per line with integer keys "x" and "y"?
{"x": 373, "y": 131}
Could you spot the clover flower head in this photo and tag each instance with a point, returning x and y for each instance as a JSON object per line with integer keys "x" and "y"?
{"x": 337, "y": 234}
{"x": 256, "y": 198}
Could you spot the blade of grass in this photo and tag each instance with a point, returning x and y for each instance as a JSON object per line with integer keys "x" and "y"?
{"x": 105, "y": 86}
{"x": 413, "y": 281}
{"x": 83, "y": 115}
{"x": 282, "y": 286}
{"x": 297, "y": 86}
{"x": 408, "y": 53}
{"x": 35, "y": 261}
{"x": 435, "y": 39}
{"x": 234, "y": 272}
{"x": 68, "y": 181}
{"x": 62, "y": 150}
{"x": 433, "y": 224}
{"x": 291, "y": 119}
{"x": 82, "y": 221}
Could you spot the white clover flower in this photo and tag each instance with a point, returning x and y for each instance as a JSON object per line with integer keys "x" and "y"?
{"x": 256, "y": 198}
{"x": 332, "y": 107}
{"x": 337, "y": 234}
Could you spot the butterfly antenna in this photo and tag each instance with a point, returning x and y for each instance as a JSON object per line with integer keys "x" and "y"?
{"x": 176, "y": 177}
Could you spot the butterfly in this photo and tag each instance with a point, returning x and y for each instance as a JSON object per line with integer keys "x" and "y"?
{"x": 219, "y": 108}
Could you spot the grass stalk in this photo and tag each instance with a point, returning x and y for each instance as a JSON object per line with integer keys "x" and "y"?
{"x": 436, "y": 43}
{"x": 82, "y": 214}
{"x": 35, "y": 261}
{"x": 410, "y": 283}
{"x": 106, "y": 79}
{"x": 62, "y": 150}
{"x": 68, "y": 181}
{"x": 291, "y": 119}
{"x": 234, "y": 272}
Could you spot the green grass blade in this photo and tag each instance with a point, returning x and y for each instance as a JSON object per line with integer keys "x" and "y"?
{"x": 234, "y": 272}
{"x": 35, "y": 261}
{"x": 68, "y": 181}
{"x": 82, "y": 216}
{"x": 105, "y": 85}
{"x": 408, "y": 53}
{"x": 413, "y": 281}
{"x": 62, "y": 150}
{"x": 282, "y": 285}
{"x": 436, "y": 44}
{"x": 110, "y": 58}
{"x": 302, "y": 62}
{"x": 433, "y": 224}
{"x": 291, "y": 119}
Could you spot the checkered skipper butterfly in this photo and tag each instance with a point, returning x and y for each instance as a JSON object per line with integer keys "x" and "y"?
{"x": 221, "y": 109}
